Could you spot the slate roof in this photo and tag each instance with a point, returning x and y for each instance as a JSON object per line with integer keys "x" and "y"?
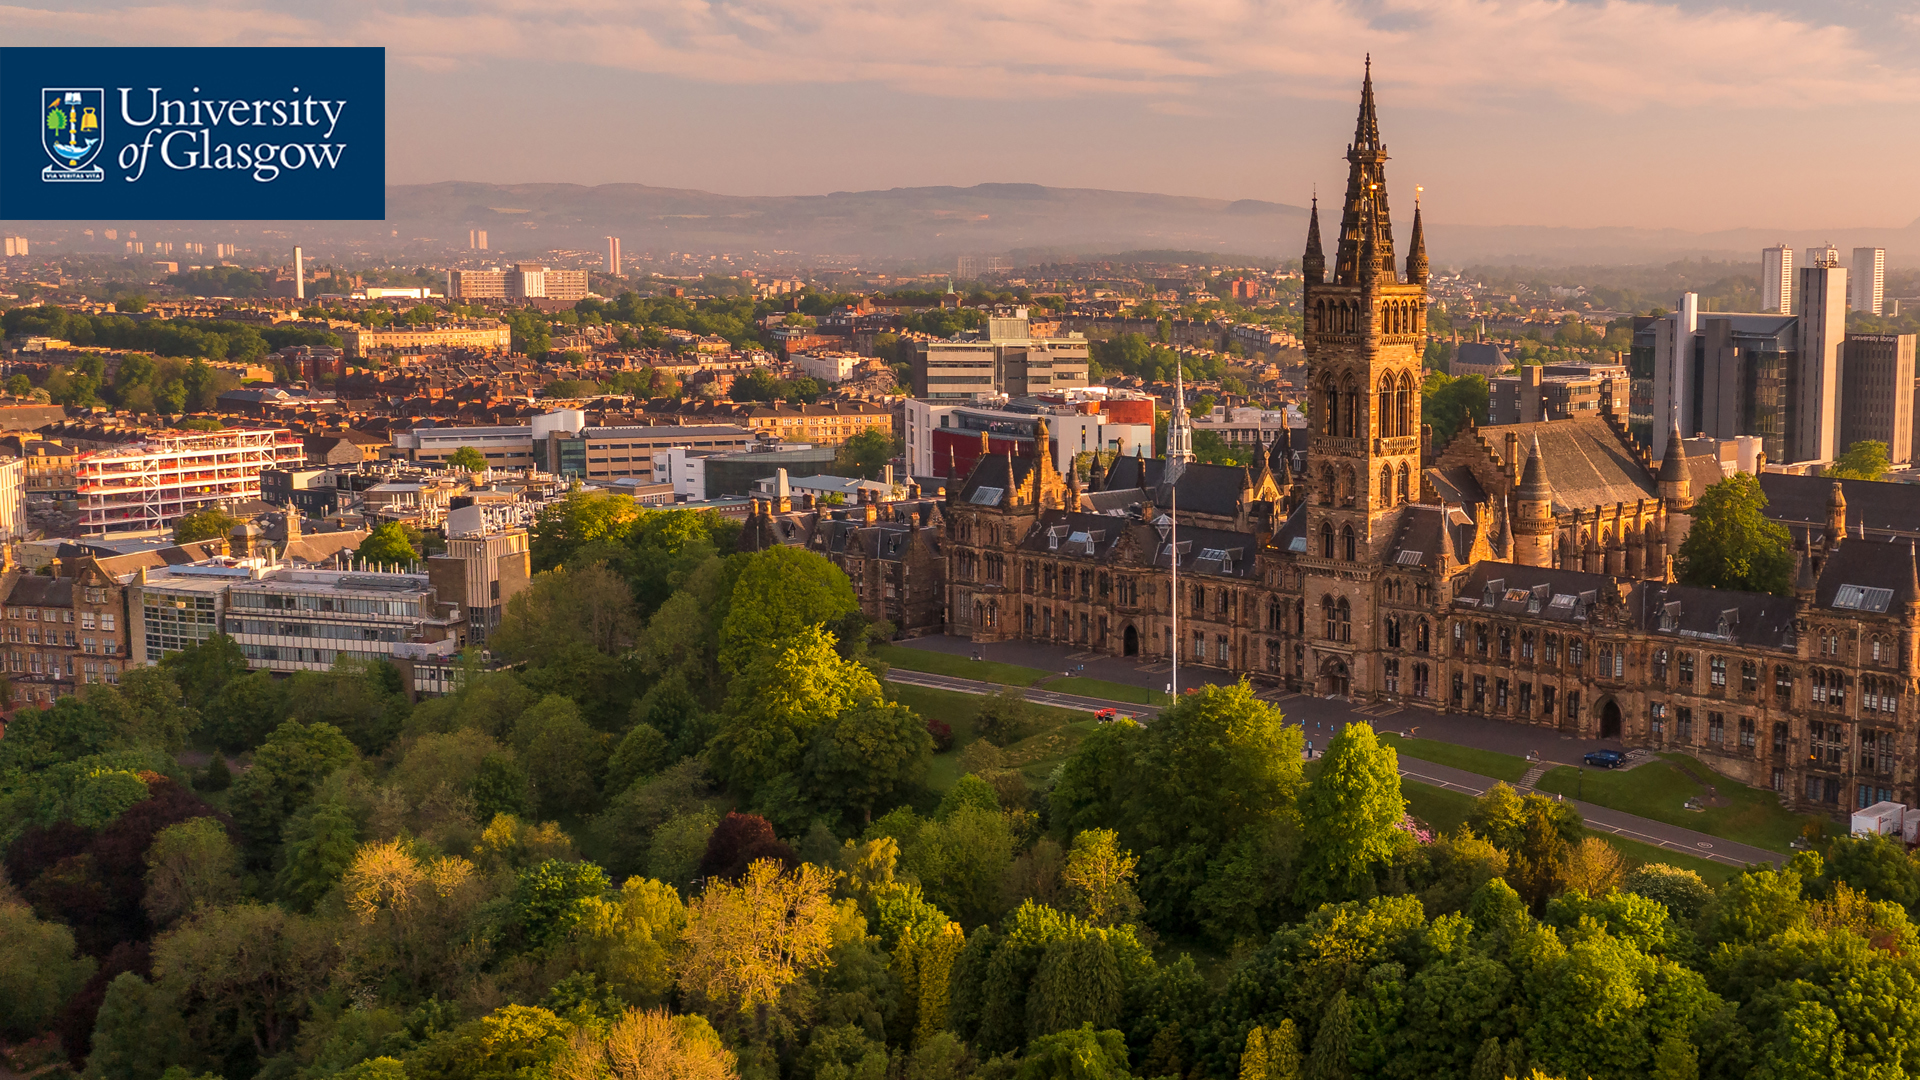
{"x": 1202, "y": 489}
{"x": 1207, "y": 551}
{"x": 1868, "y": 577}
{"x": 1424, "y": 532}
{"x": 1882, "y": 507}
{"x": 1457, "y": 484}
{"x": 1540, "y": 592}
{"x": 1744, "y": 618}
{"x": 34, "y": 590}
{"x": 1076, "y": 533}
{"x": 992, "y": 477}
{"x": 1587, "y": 463}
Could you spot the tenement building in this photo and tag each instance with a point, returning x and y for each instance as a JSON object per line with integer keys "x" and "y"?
{"x": 1522, "y": 572}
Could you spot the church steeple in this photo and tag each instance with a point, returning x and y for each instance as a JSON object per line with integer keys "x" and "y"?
{"x": 1417, "y": 257}
{"x": 1313, "y": 265}
{"x": 1179, "y": 425}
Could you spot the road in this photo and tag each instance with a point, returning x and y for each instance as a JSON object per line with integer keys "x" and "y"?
{"x": 1628, "y": 826}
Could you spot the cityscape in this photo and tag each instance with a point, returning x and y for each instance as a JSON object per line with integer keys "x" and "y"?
{"x": 996, "y": 632}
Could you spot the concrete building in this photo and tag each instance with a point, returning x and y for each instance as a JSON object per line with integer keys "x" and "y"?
{"x": 476, "y": 239}
{"x": 484, "y": 567}
{"x": 713, "y": 474}
{"x": 1822, "y": 303}
{"x": 152, "y": 484}
{"x": 1006, "y": 360}
{"x": 178, "y": 607}
{"x": 829, "y": 367}
{"x": 1877, "y": 392}
{"x": 613, "y": 255}
{"x": 1776, "y": 280}
{"x": 1557, "y": 392}
{"x": 14, "y": 246}
{"x": 944, "y": 436}
{"x": 1867, "y": 276}
{"x": 609, "y": 453}
{"x": 306, "y": 620}
{"x": 525, "y": 281}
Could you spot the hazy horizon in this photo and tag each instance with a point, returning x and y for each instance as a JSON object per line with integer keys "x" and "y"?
{"x": 1561, "y": 113}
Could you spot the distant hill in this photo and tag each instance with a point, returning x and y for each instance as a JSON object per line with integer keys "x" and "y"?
{"x": 933, "y": 224}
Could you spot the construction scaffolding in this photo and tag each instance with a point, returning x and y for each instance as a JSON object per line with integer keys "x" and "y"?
{"x": 150, "y": 485}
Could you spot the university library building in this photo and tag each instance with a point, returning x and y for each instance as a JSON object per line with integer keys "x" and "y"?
{"x": 1520, "y": 572}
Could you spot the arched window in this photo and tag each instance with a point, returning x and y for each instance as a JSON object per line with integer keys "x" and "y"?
{"x": 1345, "y": 614}
{"x": 1385, "y": 417}
{"x": 1393, "y": 631}
{"x": 1330, "y": 422}
{"x": 1273, "y": 615}
{"x": 1403, "y": 400}
{"x": 1300, "y": 617}
{"x": 1346, "y": 538}
{"x": 1327, "y": 491}
{"x": 1346, "y": 485}
{"x": 1421, "y": 640}
{"x": 1403, "y": 482}
{"x": 1326, "y": 540}
{"x": 1386, "y": 487}
{"x": 1350, "y": 415}
{"x": 1330, "y": 617}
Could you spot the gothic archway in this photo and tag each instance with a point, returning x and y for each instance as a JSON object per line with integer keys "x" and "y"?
{"x": 1610, "y": 720}
{"x": 1334, "y": 678}
{"x": 1130, "y": 641}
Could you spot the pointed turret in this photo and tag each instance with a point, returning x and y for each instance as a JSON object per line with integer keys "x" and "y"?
{"x": 1836, "y": 514}
{"x": 1533, "y": 481}
{"x": 1096, "y": 474}
{"x": 1804, "y": 581}
{"x": 1366, "y": 130}
{"x": 1533, "y": 524}
{"x": 1179, "y": 425}
{"x": 1503, "y": 533}
{"x": 1313, "y": 265}
{"x": 1675, "y": 489}
{"x": 1364, "y": 218}
{"x": 1417, "y": 270}
{"x": 1913, "y": 575}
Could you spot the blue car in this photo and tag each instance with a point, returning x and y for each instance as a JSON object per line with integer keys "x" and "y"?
{"x": 1606, "y": 759}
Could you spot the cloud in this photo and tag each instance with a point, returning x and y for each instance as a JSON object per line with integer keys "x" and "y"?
{"x": 1612, "y": 55}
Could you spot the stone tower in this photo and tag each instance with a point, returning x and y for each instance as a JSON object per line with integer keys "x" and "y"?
{"x": 1534, "y": 524}
{"x": 1364, "y": 332}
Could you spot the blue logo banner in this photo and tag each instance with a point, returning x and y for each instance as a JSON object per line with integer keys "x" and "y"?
{"x": 186, "y": 134}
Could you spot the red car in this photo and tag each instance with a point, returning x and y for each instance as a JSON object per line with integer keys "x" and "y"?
{"x": 1107, "y": 716}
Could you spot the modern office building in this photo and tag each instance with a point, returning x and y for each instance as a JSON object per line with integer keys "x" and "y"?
{"x": 1868, "y": 279}
{"x": 305, "y": 620}
{"x": 610, "y": 453}
{"x": 613, "y": 255}
{"x": 1815, "y": 430}
{"x": 1557, "y": 392}
{"x": 525, "y": 281}
{"x": 485, "y": 565}
{"x": 1734, "y": 376}
{"x": 177, "y": 607}
{"x": 1006, "y": 360}
{"x": 943, "y": 435}
{"x": 151, "y": 484}
{"x": 1877, "y": 392}
{"x": 1776, "y": 279}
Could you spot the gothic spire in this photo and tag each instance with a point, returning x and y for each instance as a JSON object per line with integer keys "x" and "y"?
{"x": 1365, "y": 218}
{"x": 1417, "y": 257}
{"x": 1179, "y": 425}
{"x": 1313, "y": 264}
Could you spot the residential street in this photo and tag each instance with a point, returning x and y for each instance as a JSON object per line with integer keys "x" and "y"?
{"x": 1322, "y": 717}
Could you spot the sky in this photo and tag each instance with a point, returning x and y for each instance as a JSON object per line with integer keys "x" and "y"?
{"x": 1691, "y": 115}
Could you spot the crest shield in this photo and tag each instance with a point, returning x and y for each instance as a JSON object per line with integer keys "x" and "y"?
{"x": 72, "y": 130}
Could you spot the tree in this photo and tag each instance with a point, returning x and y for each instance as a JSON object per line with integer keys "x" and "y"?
{"x": 747, "y": 943}
{"x": 253, "y": 962}
{"x": 780, "y": 593}
{"x": 1682, "y": 891}
{"x": 39, "y": 969}
{"x": 511, "y": 1041}
{"x": 1732, "y": 545}
{"x": 1079, "y": 1054}
{"x": 582, "y": 527}
{"x": 204, "y": 668}
{"x": 285, "y": 769}
{"x": 320, "y": 846}
{"x": 867, "y": 756}
{"x": 138, "y": 1032}
{"x": 1595, "y": 867}
{"x": 205, "y": 525}
{"x": 548, "y": 899}
{"x": 1271, "y": 1053}
{"x": 190, "y": 866}
{"x": 651, "y": 1045}
{"x": 469, "y": 459}
{"x": 779, "y": 701}
{"x": 1333, "y": 1042}
{"x": 563, "y": 756}
{"x": 1099, "y": 876}
{"x": 1449, "y": 403}
{"x": 1349, "y": 816}
{"x": 643, "y": 751}
{"x": 388, "y": 544}
{"x": 866, "y": 454}
{"x": 739, "y": 841}
{"x": 1864, "y": 460}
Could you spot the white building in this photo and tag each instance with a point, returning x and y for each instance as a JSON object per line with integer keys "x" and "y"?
{"x": 828, "y": 367}
{"x": 1823, "y": 329}
{"x": 1868, "y": 280}
{"x": 1776, "y": 280}
{"x": 305, "y": 620}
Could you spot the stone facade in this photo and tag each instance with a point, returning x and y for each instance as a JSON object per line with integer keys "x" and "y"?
{"x": 1522, "y": 573}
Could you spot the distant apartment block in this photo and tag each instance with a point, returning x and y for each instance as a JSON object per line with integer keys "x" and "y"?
{"x": 1776, "y": 279}
{"x": 1877, "y": 389}
{"x": 613, "y": 255}
{"x": 968, "y": 267}
{"x": 1867, "y": 278}
{"x": 486, "y": 334}
{"x": 14, "y": 246}
{"x": 476, "y": 239}
{"x": 526, "y": 281}
{"x": 154, "y": 483}
{"x": 1822, "y": 302}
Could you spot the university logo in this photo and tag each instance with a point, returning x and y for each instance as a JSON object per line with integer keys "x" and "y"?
{"x": 73, "y": 128}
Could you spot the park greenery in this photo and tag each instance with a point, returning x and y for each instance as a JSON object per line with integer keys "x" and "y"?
{"x": 1864, "y": 460}
{"x": 1732, "y": 544}
{"x": 685, "y": 827}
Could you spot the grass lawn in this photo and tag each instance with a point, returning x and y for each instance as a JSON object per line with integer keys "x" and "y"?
{"x": 1107, "y": 691}
{"x": 960, "y": 667}
{"x": 1485, "y": 762}
{"x": 958, "y": 711}
{"x": 1659, "y": 790}
{"x": 1711, "y": 872}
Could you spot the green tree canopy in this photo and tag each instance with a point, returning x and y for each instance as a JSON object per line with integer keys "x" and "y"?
{"x": 389, "y": 544}
{"x": 469, "y": 459}
{"x": 1864, "y": 460}
{"x": 205, "y": 525}
{"x": 1732, "y": 545}
{"x": 1349, "y": 816}
{"x": 781, "y": 592}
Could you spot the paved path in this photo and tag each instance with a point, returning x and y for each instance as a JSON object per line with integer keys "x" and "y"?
{"x": 1645, "y": 830}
